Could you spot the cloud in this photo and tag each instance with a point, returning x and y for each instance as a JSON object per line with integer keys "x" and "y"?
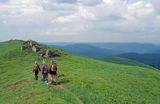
{"x": 81, "y": 14}
{"x": 115, "y": 2}
{"x": 20, "y": 7}
{"x": 139, "y": 17}
{"x": 73, "y": 30}
{"x": 4, "y": 1}
{"x": 67, "y": 1}
{"x": 140, "y": 8}
{"x": 91, "y": 2}
{"x": 64, "y": 19}
{"x": 57, "y": 7}
{"x": 105, "y": 20}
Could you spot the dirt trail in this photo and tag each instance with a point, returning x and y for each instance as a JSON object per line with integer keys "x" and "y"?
{"x": 65, "y": 89}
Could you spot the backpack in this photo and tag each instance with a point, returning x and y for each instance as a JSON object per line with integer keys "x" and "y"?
{"x": 53, "y": 67}
{"x": 45, "y": 70}
{"x": 35, "y": 68}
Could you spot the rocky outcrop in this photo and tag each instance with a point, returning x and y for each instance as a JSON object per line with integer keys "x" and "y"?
{"x": 31, "y": 46}
{"x": 51, "y": 53}
{"x": 36, "y": 47}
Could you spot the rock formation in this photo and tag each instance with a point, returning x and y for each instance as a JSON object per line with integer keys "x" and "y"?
{"x": 36, "y": 47}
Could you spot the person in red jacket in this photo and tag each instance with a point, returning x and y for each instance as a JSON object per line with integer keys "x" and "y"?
{"x": 36, "y": 69}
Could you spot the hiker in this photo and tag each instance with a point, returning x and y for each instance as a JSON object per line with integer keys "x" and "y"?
{"x": 44, "y": 72}
{"x": 52, "y": 75}
{"x": 36, "y": 69}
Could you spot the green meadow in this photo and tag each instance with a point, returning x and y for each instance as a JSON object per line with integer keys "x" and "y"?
{"x": 81, "y": 80}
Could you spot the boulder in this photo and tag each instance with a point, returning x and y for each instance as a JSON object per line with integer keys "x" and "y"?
{"x": 51, "y": 53}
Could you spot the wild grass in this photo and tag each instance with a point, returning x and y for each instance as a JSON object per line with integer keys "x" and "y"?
{"x": 89, "y": 80}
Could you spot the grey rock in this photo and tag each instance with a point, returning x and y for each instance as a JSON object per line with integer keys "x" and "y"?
{"x": 36, "y": 47}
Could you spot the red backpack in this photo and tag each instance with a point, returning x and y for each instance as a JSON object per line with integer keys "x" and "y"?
{"x": 53, "y": 67}
{"x": 35, "y": 68}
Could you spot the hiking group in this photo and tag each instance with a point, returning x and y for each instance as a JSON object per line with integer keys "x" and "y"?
{"x": 49, "y": 73}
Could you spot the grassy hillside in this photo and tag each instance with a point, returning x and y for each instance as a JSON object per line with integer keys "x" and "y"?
{"x": 7, "y": 46}
{"x": 82, "y": 80}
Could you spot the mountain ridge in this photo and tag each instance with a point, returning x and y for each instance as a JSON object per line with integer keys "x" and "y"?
{"x": 142, "y": 54}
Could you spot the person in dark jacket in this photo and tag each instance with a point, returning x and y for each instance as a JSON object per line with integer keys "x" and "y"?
{"x": 36, "y": 69}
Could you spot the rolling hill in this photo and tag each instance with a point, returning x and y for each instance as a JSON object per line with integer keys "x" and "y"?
{"x": 130, "y": 47}
{"x": 118, "y": 47}
{"x": 82, "y": 80}
{"x": 124, "y": 61}
{"x": 151, "y": 59}
{"x": 146, "y": 53}
{"x": 89, "y": 50}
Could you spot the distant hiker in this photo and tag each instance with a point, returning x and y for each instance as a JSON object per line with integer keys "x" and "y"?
{"x": 44, "y": 72}
{"x": 36, "y": 69}
{"x": 52, "y": 75}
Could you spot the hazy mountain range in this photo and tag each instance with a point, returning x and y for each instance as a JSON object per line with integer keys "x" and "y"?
{"x": 144, "y": 52}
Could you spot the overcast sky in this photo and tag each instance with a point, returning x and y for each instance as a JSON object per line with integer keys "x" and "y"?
{"x": 81, "y": 20}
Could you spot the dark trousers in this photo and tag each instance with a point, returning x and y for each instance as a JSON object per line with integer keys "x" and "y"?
{"x": 45, "y": 77}
{"x": 36, "y": 76}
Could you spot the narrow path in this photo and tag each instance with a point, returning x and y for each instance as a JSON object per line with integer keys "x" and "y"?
{"x": 77, "y": 98}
